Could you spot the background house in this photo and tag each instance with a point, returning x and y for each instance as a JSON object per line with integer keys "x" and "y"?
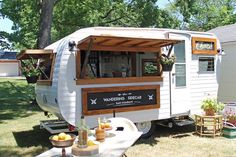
{"x": 227, "y": 84}
{"x": 9, "y": 65}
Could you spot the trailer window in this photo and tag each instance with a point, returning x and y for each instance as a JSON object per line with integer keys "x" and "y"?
{"x": 180, "y": 65}
{"x": 204, "y": 46}
{"x": 206, "y": 64}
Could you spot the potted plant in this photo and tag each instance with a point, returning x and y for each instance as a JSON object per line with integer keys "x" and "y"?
{"x": 150, "y": 69}
{"x": 167, "y": 62}
{"x": 30, "y": 70}
{"x": 230, "y": 117}
{"x": 211, "y": 106}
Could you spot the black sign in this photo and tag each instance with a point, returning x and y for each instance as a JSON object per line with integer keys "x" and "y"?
{"x": 117, "y": 99}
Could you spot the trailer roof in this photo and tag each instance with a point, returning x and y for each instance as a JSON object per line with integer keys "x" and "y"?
{"x": 136, "y": 34}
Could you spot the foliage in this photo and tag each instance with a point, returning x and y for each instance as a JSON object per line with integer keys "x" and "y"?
{"x": 71, "y": 15}
{"x": 25, "y": 17}
{"x": 210, "y": 103}
{"x": 168, "y": 60}
{"x": 203, "y": 15}
{"x": 230, "y": 115}
{"x": 29, "y": 68}
{"x": 150, "y": 69}
{"x": 3, "y": 43}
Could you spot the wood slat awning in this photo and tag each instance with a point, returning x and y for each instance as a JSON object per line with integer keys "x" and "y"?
{"x": 35, "y": 54}
{"x": 114, "y": 43}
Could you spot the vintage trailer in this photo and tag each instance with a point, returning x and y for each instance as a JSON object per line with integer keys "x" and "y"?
{"x": 106, "y": 71}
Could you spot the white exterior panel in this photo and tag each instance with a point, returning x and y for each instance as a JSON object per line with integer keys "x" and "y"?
{"x": 9, "y": 69}
{"x": 227, "y": 86}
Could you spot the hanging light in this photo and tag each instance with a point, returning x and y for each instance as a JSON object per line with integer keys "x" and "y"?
{"x": 221, "y": 52}
{"x": 72, "y": 46}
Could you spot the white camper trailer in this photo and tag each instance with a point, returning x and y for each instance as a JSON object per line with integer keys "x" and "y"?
{"x": 105, "y": 71}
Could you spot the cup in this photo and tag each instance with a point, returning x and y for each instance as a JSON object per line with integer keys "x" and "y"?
{"x": 100, "y": 134}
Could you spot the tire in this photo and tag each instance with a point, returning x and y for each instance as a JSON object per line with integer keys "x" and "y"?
{"x": 146, "y": 127}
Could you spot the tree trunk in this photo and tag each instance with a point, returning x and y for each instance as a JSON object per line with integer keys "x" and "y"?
{"x": 44, "y": 38}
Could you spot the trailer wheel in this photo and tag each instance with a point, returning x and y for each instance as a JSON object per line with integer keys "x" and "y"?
{"x": 146, "y": 127}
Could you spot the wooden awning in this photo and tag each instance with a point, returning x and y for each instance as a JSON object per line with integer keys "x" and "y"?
{"x": 114, "y": 43}
{"x": 35, "y": 54}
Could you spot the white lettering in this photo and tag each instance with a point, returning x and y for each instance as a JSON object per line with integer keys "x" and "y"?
{"x": 114, "y": 99}
{"x": 134, "y": 97}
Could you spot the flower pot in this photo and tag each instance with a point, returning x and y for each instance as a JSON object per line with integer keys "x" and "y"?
{"x": 167, "y": 67}
{"x": 31, "y": 79}
{"x": 209, "y": 112}
{"x": 229, "y": 132}
{"x": 232, "y": 121}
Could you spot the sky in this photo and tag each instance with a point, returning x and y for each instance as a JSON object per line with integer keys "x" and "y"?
{"x": 6, "y": 24}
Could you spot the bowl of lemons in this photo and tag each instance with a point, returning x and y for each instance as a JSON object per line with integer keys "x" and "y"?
{"x": 62, "y": 140}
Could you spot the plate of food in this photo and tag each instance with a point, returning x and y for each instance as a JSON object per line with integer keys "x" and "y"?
{"x": 62, "y": 140}
{"x": 107, "y": 126}
{"x": 91, "y": 149}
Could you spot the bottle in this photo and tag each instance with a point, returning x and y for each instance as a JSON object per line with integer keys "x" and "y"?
{"x": 100, "y": 132}
{"x": 82, "y": 133}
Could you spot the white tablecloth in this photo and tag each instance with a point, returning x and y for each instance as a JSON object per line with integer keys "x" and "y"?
{"x": 114, "y": 146}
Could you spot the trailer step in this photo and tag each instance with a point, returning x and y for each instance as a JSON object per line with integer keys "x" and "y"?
{"x": 183, "y": 122}
{"x": 54, "y": 126}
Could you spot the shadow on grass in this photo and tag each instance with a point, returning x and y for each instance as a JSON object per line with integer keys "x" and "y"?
{"x": 16, "y": 100}
{"x": 161, "y": 131}
{"x": 13, "y": 152}
{"x": 35, "y": 137}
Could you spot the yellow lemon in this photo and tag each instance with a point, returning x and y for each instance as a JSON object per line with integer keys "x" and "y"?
{"x": 68, "y": 137}
{"x": 90, "y": 143}
{"x": 107, "y": 125}
{"x": 62, "y": 136}
{"x": 55, "y": 137}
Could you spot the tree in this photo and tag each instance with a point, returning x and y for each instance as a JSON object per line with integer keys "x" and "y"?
{"x": 33, "y": 20}
{"x": 25, "y": 17}
{"x": 46, "y": 13}
{"x": 3, "y": 42}
{"x": 204, "y": 15}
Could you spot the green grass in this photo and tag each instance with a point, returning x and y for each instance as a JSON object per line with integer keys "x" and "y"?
{"x": 182, "y": 142}
{"x": 20, "y": 134}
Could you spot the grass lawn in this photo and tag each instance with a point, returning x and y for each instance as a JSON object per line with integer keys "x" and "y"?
{"x": 20, "y": 134}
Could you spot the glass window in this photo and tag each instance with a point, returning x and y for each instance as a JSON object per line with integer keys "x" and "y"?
{"x": 180, "y": 52}
{"x": 204, "y": 46}
{"x": 180, "y": 65}
{"x": 180, "y": 73}
{"x": 206, "y": 64}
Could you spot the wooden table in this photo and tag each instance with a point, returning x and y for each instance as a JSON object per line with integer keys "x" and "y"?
{"x": 114, "y": 146}
{"x": 209, "y": 125}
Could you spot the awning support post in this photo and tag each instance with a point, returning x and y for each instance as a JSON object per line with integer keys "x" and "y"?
{"x": 169, "y": 52}
{"x": 86, "y": 58}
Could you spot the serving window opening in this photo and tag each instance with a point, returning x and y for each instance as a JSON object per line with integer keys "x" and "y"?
{"x": 111, "y": 59}
{"x": 45, "y": 65}
{"x": 39, "y": 62}
{"x": 107, "y": 64}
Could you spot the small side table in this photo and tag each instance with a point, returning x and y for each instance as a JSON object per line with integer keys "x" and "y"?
{"x": 209, "y": 125}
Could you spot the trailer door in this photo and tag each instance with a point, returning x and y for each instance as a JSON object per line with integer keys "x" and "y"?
{"x": 179, "y": 90}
